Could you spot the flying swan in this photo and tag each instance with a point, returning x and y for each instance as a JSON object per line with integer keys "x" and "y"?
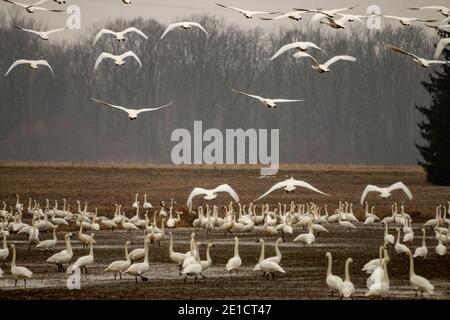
{"x": 269, "y": 103}
{"x": 322, "y": 68}
{"x": 302, "y": 46}
{"x": 211, "y": 194}
{"x": 119, "y": 60}
{"x": 386, "y": 193}
{"x": 185, "y": 25}
{"x": 290, "y": 185}
{"x": 247, "y": 13}
{"x": 120, "y": 36}
{"x": 132, "y": 113}
{"x": 44, "y": 35}
{"x": 32, "y": 63}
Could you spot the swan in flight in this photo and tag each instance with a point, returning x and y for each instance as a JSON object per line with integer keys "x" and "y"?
{"x": 269, "y": 103}
{"x": 119, "y": 60}
{"x": 32, "y": 63}
{"x": 340, "y": 23}
{"x": 322, "y": 68}
{"x": 290, "y": 185}
{"x": 132, "y": 113}
{"x": 186, "y": 25}
{"x": 386, "y": 193}
{"x": 120, "y": 36}
{"x": 441, "y": 9}
{"x": 247, "y": 13}
{"x": 442, "y": 44}
{"x": 293, "y": 15}
{"x": 405, "y": 20}
{"x": 301, "y": 46}
{"x": 326, "y": 13}
{"x": 211, "y": 194}
{"x": 44, "y": 35}
{"x": 30, "y": 8}
{"x": 421, "y": 61}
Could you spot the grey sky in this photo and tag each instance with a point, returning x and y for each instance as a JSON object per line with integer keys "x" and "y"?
{"x": 168, "y": 10}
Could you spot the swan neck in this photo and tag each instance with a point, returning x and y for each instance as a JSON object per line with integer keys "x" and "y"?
{"x": 347, "y": 274}
{"x": 13, "y": 262}
{"x": 127, "y": 257}
{"x": 236, "y": 248}
{"x": 330, "y": 263}
{"x": 411, "y": 266}
{"x": 261, "y": 257}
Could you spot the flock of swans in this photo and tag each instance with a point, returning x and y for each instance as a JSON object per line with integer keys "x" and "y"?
{"x": 334, "y": 18}
{"x": 282, "y": 222}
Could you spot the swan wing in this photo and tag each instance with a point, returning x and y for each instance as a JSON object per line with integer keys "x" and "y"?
{"x": 285, "y": 100}
{"x": 229, "y": 190}
{"x": 198, "y": 25}
{"x": 306, "y": 55}
{"x": 317, "y": 17}
{"x": 194, "y": 193}
{"x": 56, "y": 30}
{"x": 29, "y": 30}
{"x": 103, "y": 56}
{"x": 101, "y": 33}
{"x": 133, "y": 55}
{"x": 441, "y": 46}
{"x": 303, "y": 184}
{"x": 398, "y": 50}
{"x": 110, "y": 105}
{"x": 277, "y": 186}
{"x": 339, "y": 58}
{"x": 261, "y": 99}
{"x": 153, "y": 109}
{"x": 45, "y": 63}
{"x": 15, "y": 64}
{"x": 401, "y": 186}
{"x": 136, "y": 30}
{"x": 285, "y": 48}
{"x": 228, "y": 7}
{"x": 170, "y": 28}
{"x": 369, "y": 188}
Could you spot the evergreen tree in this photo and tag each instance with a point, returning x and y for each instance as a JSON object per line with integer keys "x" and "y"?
{"x": 435, "y": 129}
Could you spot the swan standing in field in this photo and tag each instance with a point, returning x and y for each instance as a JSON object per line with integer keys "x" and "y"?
{"x": 138, "y": 253}
{"x": 442, "y": 44}
{"x": 301, "y": 46}
{"x": 176, "y": 257}
{"x": 120, "y": 266}
{"x": 33, "y": 64}
{"x": 290, "y": 185}
{"x": 380, "y": 288}
{"x": 119, "y": 60}
{"x": 84, "y": 261}
{"x": 128, "y": 225}
{"x": 419, "y": 283}
{"x": 211, "y": 194}
{"x": 139, "y": 269}
{"x": 132, "y": 113}
{"x": 441, "y": 9}
{"x": 441, "y": 249}
{"x": 206, "y": 264}
{"x": 348, "y": 289}
{"x": 247, "y": 13}
{"x": 346, "y": 224}
{"x": 120, "y": 36}
{"x": 421, "y": 251}
{"x": 4, "y": 252}
{"x": 184, "y": 25}
{"x": 307, "y": 238}
{"x": 323, "y": 68}
{"x": 421, "y": 61}
{"x": 33, "y": 238}
{"x": 235, "y": 262}
{"x": 399, "y": 247}
{"x": 335, "y": 283}
{"x": 386, "y": 193}
{"x": 268, "y": 266}
{"x": 267, "y": 102}
{"x": 19, "y": 273}
{"x": 64, "y": 256}
{"x": 194, "y": 269}
{"x": 146, "y": 204}
{"x": 47, "y": 245}
{"x": 84, "y": 238}
{"x": 44, "y": 35}
{"x": 31, "y": 8}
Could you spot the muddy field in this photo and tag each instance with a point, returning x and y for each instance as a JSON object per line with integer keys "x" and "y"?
{"x": 305, "y": 266}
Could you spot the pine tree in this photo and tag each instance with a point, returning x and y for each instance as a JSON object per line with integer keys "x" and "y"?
{"x": 435, "y": 129}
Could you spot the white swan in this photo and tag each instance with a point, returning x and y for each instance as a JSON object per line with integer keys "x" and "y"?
{"x": 290, "y": 185}
{"x": 4, "y": 252}
{"x": 127, "y": 225}
{"x": 84, "y": 261}
{"x": 293, "y": 15}
{"x": 19, "y": 273}
{"x": 44, "y": 35}
{"x": 386, "y": 193}
{"x": 442, "y": 44}
{"x": 47, "y": 245}
{"x": 302, "y": 46}
{"x": 373, "y": 264}
{"x": 399, "y": 247}
{"x": 348, "y": 289}
{"x": 321, "y": 13}
{"x": 206, "y": 264}
{"x": 419, "y": 283}
{"x": 120, "y": 266}
{"x": 146, "y": 204}
{"x": 441, "y": 249}
{"x": 176, "y": 257}
{"x": 421, "y": 61}
{"x": 235, "y": 262}
{"x": 84, "y": 238}
{"x": 307, "y": 238}
{"x": 334, "y": 282}
{"x": 135, "y": 204}
{"x": 34, "y": 64}
{"x": 340, "y": 23}
{"x": 270, "y": 265}
{"x": 405, "y": 21}
{"x": 267, "y": 102}
{"x": 31, "y": 8}
{"x": 64, "y": 256}
{"x": 186, "y": 25}
{"x": 211, "y": 194}
{"x": 132, "y": 113}
{"x": 120, "y": 36}
{"x": 119, "y": 60}
{"x": 322, "y": 68}
{"x": 380, "y": 288}
{"x": 138, "y": 253}
{"x": 194, "y": 269}
{"x": 246, "y": 13}
{"x": 139, "y": 269}
{"x": 421, "y": 251}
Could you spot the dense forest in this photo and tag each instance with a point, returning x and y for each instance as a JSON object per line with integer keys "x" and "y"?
{"x": 359, "y": 113}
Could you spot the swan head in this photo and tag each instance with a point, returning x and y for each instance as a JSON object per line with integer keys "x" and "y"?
{"x": 328, "y": 255}
{"x": 133, "y": 118}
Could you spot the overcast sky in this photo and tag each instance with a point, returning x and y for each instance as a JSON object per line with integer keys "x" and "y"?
{"x": 168, "y": 10}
